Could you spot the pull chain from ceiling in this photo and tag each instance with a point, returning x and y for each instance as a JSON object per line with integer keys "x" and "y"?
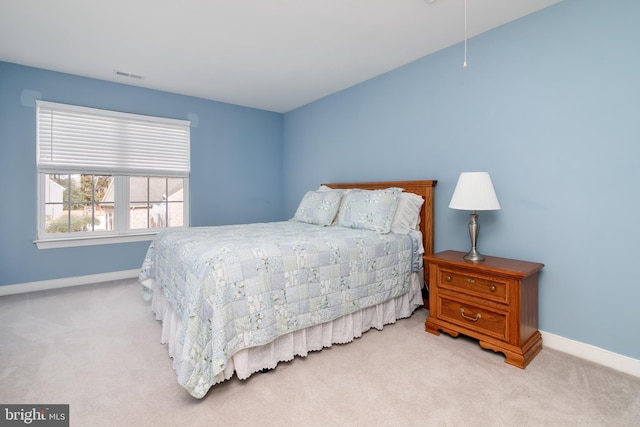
{"x": 464, "y": 65}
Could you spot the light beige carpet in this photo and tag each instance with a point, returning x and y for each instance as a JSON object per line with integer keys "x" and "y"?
{"x": 97, "y": 349}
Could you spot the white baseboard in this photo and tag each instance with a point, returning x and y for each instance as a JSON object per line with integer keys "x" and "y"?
{"x": 589, "y": 352}
{"x": 68, "y": 282}
{"x": 592, "y": 353}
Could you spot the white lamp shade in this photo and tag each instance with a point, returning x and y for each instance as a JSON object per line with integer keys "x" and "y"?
{"x": 474, "y": 192}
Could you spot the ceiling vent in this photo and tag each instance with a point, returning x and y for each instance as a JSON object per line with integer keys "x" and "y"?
{"x": 129, "y": 75}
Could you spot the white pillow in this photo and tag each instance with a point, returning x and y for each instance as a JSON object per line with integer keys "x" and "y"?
{"x": 318, "y": 207}
{"x": 407, "y": 216}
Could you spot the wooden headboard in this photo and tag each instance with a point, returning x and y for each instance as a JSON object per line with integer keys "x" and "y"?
{"x": 422, "y": 188}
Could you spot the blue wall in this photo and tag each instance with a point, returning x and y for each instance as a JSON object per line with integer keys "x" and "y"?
{"x": 236, "y": 167}
{"x": 550, "y": 106}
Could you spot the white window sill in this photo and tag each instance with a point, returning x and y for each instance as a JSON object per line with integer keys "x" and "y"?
{"x": 69, "y": 242}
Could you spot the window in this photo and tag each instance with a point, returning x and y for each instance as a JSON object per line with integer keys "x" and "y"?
{"x": 107, "y": 177}
{"x": 155, "y": 202}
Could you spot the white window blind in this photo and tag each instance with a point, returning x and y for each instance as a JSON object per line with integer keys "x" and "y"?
{"x": 80, "y": 139}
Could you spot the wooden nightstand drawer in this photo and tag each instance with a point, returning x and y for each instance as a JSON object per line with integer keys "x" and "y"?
{"x": 473, "y": 284}
{"x": 473, "y": 317}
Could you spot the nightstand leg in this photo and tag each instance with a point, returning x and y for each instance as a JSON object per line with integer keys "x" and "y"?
{"x": 431, "y": 328}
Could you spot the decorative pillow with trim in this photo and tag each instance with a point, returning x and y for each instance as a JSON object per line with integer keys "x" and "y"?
{"x": 318, "y": 207}
{"x": 369, "y": 209}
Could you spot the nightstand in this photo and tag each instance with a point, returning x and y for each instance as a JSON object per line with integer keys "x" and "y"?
{"x": 494, "y": 301}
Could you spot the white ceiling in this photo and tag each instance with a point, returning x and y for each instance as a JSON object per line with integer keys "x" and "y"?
{"x": 269, "y": 54}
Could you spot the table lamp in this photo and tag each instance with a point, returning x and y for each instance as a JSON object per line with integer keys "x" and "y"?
{"x": 474, "y": 192}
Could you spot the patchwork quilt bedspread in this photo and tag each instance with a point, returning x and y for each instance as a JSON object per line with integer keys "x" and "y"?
{"x": 242, "y": 286}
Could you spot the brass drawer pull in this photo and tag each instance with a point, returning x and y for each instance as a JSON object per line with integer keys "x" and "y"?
{"x": 492, "y": 288}
{"x": 473, "y": 319}
{"x": 448, "y": 278}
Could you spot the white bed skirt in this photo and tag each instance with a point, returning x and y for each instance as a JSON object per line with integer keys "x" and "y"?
{"x": 300, "y": 343}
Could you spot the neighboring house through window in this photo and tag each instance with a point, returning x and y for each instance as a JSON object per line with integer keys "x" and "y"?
{"x": 109, "y": 177}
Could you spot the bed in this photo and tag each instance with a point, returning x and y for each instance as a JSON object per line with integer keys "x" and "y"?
{"x": 239, "y": 299}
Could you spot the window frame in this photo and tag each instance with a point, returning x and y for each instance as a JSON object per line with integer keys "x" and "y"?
{"x": 121, "y": 233}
